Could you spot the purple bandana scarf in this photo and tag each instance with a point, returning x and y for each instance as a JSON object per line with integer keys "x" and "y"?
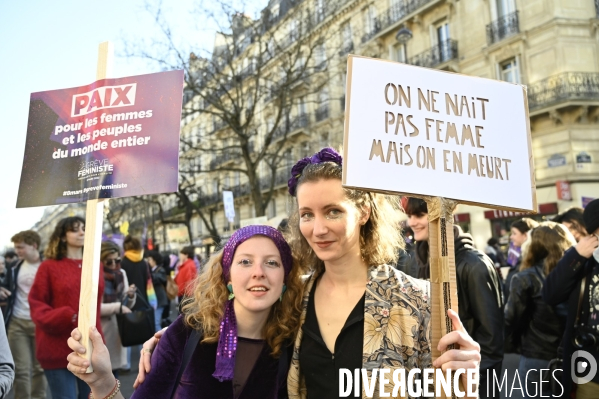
{"x": 227, "y": 340}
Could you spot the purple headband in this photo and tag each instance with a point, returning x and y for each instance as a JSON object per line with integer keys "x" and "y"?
{"x": 227, "y": 340}
{"x": 325, "y": 155}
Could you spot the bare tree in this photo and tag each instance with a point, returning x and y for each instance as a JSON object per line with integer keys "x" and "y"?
{"x": 246, "y": 95}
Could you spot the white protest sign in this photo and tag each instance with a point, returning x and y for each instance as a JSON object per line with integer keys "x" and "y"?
{"x": 419, "y": 131}
{"x": 229, "y": 206}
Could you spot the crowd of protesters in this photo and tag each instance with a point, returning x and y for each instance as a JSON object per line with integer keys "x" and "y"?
{"x": 39, "y": 298}
{"x": 543, "y": 305}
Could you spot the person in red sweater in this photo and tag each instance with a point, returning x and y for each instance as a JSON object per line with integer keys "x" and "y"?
{"x": 187, "y": 270}
{"x": 54, "y": 303}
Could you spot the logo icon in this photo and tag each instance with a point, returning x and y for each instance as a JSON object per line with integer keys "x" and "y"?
{"x": 583, "y": 367}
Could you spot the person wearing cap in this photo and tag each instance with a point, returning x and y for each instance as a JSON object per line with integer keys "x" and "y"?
{"x": 244, "y": 309}
{"x": 579, "y": 269}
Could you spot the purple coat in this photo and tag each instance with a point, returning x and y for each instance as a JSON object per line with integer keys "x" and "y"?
{"x": 197, "y": 381}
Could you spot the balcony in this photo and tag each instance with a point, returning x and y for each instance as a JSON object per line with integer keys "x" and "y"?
{"x": 298, "y": 123}
{"x": 373, "y": 31}
{"x": 392, "y": 15}
{"x": 436, "y": 55}
{"x": 568, "y": 86}
{"x": 503, "y": 27}
{"x": 322, "y": 113}
{"x": 346, "y": 49}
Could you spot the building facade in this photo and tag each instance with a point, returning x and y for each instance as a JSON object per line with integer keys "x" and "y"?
{"x": 551, "y": 46}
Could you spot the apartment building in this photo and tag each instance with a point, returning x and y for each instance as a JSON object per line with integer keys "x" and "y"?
{"x": 551, "y": 46}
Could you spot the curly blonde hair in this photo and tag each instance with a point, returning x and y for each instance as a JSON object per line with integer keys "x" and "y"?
{"x": 206, "y": 307}
{"x": 380, "y": 236}
{"x": 547, "y": 244}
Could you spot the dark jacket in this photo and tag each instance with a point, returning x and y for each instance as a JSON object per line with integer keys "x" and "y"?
{"x": 480, "y": 300}
{"x": 530, "y": 323}
{"x": 138, "y": 274}
{"x": 197, "y": 381}
{"x": 10, "y": 283}
{"x": 159, "y": 282}
{"x": 563, "y": 284}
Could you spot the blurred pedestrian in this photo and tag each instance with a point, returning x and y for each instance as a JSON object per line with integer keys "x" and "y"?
{"x": 11, "y": 258}
{"x": 576, "y": 280}
{"x": 138, "y": 273}
{"x": 187, "y": 270}
{"x": 532, "y": 327}
{"x": 519, "y": 234}
{"x": 134, "y": 265}
{"x": 54, "y": 302}
{"x": 154, "y": 259}
{"x": 7, "y": 365}
{"x": 119, "y": 297}
{"x": 29, "y": 375}
{"x": 479, "y": 291}
{"x": 573, "y": 220}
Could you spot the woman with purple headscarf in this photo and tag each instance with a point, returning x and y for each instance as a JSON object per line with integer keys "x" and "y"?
{"x": 243, "y": 311}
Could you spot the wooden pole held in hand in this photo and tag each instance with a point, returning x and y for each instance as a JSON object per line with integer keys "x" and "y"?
{"x": 94, "y": 217}
{"x": 442, "y": 266}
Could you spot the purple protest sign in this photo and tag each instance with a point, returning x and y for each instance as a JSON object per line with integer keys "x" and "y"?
{"x": 112, "y": 138}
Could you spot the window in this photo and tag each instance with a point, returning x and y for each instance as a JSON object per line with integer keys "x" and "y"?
{"x": 369, "y": 19}
{"x": 319, "y": 10}
{"x": 443, "y": 42}
{"x": 505, "y": 7}
{"x": 294, "y": 32}
{"x": 323, "y": 96}
{"x": 398, "y": 52}
{"x": 509, "y": 71}
{"x": 397, "y": 8}
{"x": 346, "y": 35}
{"x": 215, "y": 186}
{"x": 274, "y": 13}
{"x": 320, "y": 56}
{"x": 272, "y": 208}
{"x": 301, "y": 106}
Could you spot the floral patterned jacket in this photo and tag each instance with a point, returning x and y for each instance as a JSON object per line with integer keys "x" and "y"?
{"x": 397, "y": 330}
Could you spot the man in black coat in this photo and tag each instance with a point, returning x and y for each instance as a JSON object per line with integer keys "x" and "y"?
{"x": 579, "y": 268}
{"x": 480, "y": 299}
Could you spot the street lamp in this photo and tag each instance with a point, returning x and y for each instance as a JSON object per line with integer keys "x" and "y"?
{"x": 403, "y": 36}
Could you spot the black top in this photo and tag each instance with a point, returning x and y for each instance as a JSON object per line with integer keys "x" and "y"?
{"x": 248, "y": 351}
{"x": 321, "y": 367}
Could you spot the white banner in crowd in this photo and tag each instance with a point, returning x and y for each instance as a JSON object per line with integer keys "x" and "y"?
{"x": 229, "y": 206}
{"x": 415, "y": 130}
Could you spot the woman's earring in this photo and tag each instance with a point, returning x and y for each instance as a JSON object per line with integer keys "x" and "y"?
{"x": 284, "y": 289}
{"x": 230, "y": 288}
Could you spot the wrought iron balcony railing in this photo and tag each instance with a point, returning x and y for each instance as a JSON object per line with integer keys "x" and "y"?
{"x": 503, "y": 27}
{"x": 442, "y": 52}
{"x": 398, "y": 11}
{"x": 563, "y": 87}
{"x": 322, "y": 113}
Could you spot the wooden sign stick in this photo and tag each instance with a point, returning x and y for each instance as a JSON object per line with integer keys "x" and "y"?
{"x": 442, "y": 266}
{"x": 94, "y": 217}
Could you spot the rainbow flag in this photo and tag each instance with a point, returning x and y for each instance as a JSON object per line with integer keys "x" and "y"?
{"x": 150, "y": 292}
